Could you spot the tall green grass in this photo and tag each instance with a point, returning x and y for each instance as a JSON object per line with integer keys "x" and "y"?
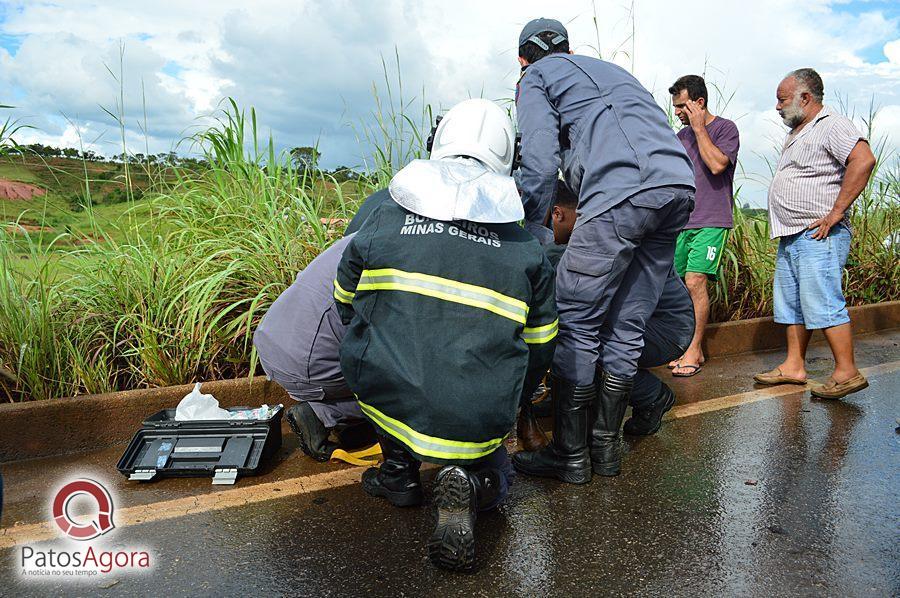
{"x": 176, "y": 298}
{"x": 175, "y": 292}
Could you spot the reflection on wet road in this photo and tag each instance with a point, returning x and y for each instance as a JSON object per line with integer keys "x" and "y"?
{"x": 782, "y": 496}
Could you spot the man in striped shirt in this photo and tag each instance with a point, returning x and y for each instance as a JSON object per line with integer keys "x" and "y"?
{"x": 825, "y": 164}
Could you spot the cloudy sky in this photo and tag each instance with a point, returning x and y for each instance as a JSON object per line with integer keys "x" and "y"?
{"x": 308, "y": 67}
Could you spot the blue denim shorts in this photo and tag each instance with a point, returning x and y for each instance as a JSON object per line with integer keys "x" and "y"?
{"x": 808, "y": 276}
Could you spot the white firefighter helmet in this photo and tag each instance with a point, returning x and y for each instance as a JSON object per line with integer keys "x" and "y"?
{"x": 478, "y": 129}
{"x": 473, "y": 151}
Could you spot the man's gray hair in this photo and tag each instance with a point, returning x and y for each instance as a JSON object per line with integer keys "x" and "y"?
{"x": 810, "y": 81}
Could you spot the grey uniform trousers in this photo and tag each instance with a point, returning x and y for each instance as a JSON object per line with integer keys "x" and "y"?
{"x": 333, "y": 406}
{"x": 333, "y": 403}
{"x": 610, "y": 280}
{"x": 668, "y": 334}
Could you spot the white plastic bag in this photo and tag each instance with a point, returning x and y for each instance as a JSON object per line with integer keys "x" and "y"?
{"x": 197, "y": 405}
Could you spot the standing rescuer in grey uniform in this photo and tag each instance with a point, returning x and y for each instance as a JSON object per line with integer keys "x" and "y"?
{"x": 452, "y": 320}
{"x": 635, "y": 185}
{"x": 669, "y": 329}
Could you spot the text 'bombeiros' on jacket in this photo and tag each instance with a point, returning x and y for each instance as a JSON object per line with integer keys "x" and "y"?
{"x": 449, "y": 324}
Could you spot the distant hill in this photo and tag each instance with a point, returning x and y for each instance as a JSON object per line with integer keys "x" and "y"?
{"x": 45, "y": 196}
{"x": 65, "y": 177}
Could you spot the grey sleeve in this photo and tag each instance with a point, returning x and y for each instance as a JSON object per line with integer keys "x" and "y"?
{"x": 539, "y": 126}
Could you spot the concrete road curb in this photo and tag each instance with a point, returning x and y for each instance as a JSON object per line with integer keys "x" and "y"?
{"x": 763, "y": 334}
{"x": 46, "y": 428}
{"x": 61, "y": 426}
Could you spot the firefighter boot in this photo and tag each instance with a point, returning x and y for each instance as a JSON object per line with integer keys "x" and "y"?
{"x": 452, "y": 543}
{"x": 528, "y": 431}
{"x": 608, "y": 413}
{"x": 397, "y": 480}
{"x": 566, "y": 458}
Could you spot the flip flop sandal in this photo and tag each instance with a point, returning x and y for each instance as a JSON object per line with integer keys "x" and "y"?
{"x": 363, "y": 458}
{"x": 695, "y": 369}
{"x": 669, "y": 365}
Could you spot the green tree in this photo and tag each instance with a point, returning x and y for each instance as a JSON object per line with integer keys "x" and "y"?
{"x": 305, "y": 158}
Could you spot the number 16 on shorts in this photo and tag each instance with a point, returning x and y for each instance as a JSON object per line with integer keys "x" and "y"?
{"x": 699, "y": 250}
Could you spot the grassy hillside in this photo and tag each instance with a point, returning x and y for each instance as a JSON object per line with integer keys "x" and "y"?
{"x": 86, "y": 203}
{"x": 79, "y": 196}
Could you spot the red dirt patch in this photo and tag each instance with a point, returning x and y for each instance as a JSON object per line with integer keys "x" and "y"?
{"x": 31, "y": 228}
{"x": 14, "y": 190}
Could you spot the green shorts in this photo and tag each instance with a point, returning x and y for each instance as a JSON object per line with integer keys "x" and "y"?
{"x": 699, "y": 250}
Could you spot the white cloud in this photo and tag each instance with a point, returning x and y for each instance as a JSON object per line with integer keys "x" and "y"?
{"x": 308, "y": 67}
{"x": 887, "y": 124}
{"x": 892, "y": 51}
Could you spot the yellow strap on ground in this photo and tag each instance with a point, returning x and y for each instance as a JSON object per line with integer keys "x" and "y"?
{"x": 358, "y": 458}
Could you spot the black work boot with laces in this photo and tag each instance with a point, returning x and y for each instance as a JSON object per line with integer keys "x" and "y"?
{"x": 397, "y": 479}
{"x": 458, "y": 495}
{"x": 608, "y": 413}
{"x": 311, "y": 432}
{"x": 647, "y": 421}
{"x": 566, "y": 457}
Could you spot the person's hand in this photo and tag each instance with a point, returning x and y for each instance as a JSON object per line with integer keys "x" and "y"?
{"x": 825, "y": 224}
{"x": 695, "y": 114}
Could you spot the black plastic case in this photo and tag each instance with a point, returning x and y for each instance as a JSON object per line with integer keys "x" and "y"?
{"x": 224, "y": 449}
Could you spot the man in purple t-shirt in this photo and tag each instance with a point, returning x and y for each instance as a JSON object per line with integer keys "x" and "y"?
{"x": 712, "y": 144}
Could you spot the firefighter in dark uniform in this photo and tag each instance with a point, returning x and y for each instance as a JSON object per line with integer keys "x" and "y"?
{"x": 594, "y": 121}
{"x": 452, "y": 320}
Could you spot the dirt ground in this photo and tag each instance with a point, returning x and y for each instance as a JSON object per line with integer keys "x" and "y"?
{"x": 13, "y": 190}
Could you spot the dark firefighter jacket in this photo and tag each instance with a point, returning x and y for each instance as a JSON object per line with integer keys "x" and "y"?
{"x": 449, "y": 323}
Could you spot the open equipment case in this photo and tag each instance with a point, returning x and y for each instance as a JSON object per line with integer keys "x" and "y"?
{"x": 224, "y": 449}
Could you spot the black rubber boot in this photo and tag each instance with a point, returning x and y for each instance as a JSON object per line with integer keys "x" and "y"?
{"x": 608, "y": 413}
{"x": 566, "y": 458}
{"x": 647, "y": 421}
{"x": 452, "y": 543}
{"x": 397, "y": 480}
{"x": 311, "y": 432}
{"x": 487, "y": 487}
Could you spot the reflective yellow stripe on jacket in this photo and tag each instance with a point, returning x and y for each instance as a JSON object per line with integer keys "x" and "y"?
{"x": 391, "y": 279}
{"x": 341, "y": 295}
{"x": 540, "y": 334}
{"x": 429, "y": 446}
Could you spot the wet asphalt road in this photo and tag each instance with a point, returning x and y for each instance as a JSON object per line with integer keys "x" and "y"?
{"x": 784, "y": 496}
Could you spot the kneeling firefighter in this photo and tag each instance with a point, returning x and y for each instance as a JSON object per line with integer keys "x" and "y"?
{"x": 452, "y": 319}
